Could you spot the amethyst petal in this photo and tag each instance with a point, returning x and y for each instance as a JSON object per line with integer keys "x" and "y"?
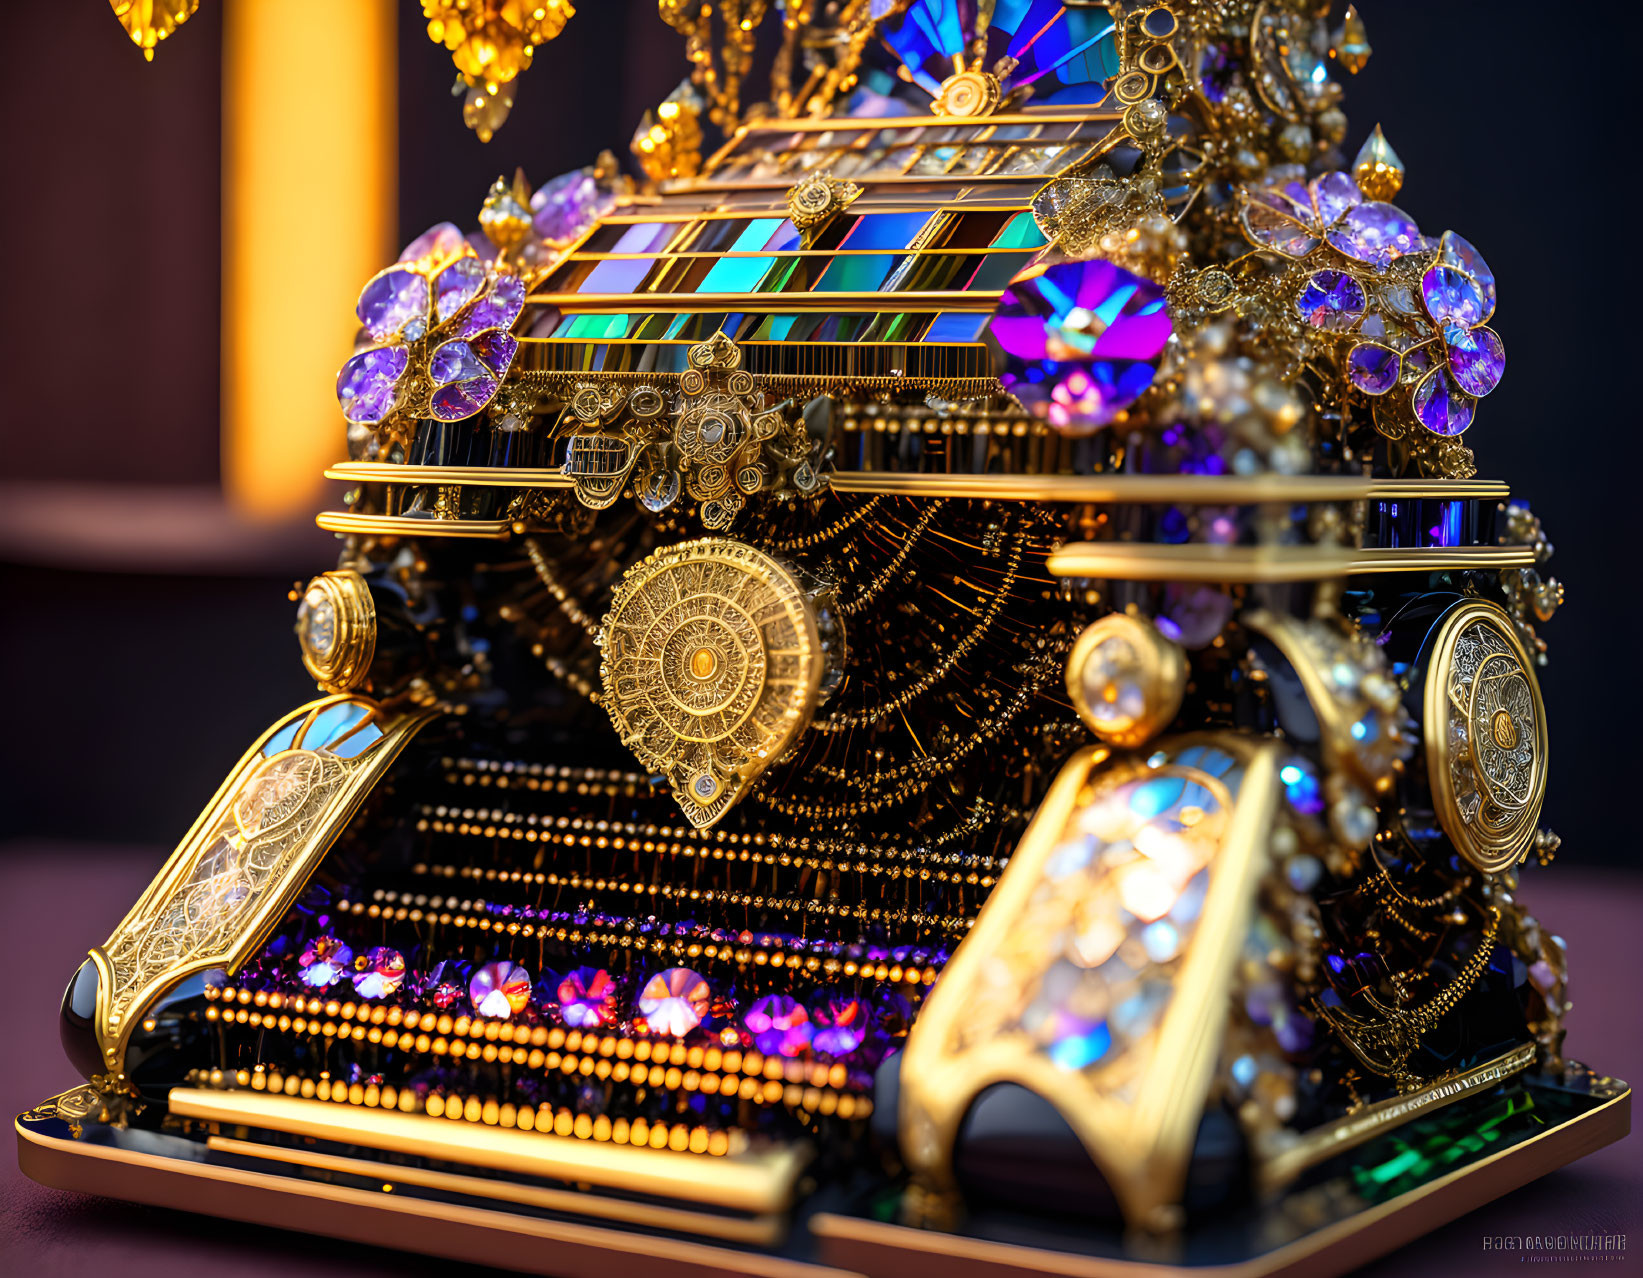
{"x": 368, "y": 385}
{"x": 498, "y": 308}
{"x": 463, "y": 399}
{"x": 1451, "y": 296}
{"x": 1443, "y": 408}
{"x": 1332, "y": 195}
{"x": 495, "y": 350}
{"x": 457, "y": 285}
{"x": 394, "y": 303}
{"x": 1456, "y": 252}
{"x": 1331, "y": 300}
{"x": 1375, "y": 233}
{"x": 1477, "y": 358}
{"x": 435, "y": 246}
{"x": 455, "y": 362}
{"x": 1373, "y": 368}
{"x": 1269, "y": 222}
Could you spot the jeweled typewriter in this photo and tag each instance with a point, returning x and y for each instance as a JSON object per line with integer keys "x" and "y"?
{"x": 931, "y": 688}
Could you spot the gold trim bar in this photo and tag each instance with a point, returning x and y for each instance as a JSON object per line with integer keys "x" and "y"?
{"x": 775, "y": 303}
{"x": 756, "y": 1230}
{"x": 342, "y": 521}
{"x": 1353, "y": 1130}
{"x": 1145, "y": 561}
{"x": 756, "y": 1183}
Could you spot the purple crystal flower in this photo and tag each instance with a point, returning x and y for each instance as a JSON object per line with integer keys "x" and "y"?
{"x": 500, "y": 989}
{"x": 1458, "y": 295}
{"x": 379, "y": 973}
{"x": 780, "y": 1024}
{"x": 1331, "y": 299}
{"x": 674, "y": 1001}
{"x": 1294, "y": 219}
{"x": 841, "y": 1025}
{"x": 1081, "y": 341}
{"x": 440, "y": 311}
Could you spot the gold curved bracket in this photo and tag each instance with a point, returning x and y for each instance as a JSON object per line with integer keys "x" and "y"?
{"x": 1136, "y": 1115}
{"x": 247, "y": 856}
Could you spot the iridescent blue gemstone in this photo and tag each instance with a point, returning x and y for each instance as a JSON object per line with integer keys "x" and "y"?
{"x": 1442, "y": 407}
{"x": 1453, "y": 251}
{"x": 1372, "y": 368}
{"x": 1081, "y": 340}
{"x": 1302, "y": 786}
{"x": 1375, "y": 233}
{"x": 1477, "y": 359}
{"x": 1452, "y": 296}
{"x": 1331, "y": 300}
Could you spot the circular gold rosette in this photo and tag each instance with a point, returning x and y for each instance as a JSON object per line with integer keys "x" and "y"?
{"x": 713, "y": 664}
{"x": 1485, "y": 736}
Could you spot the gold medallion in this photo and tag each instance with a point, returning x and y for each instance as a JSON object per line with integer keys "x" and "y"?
{"x": 1485, "y": 736}
{"x": 713, "y": 664}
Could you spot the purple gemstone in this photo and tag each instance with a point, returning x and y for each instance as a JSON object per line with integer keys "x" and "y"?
{"x": 1458, "y": 253}
{"x": 1476, "y": 358}
{"x": 1273, "y": 222}
{"x": 324, "y": 962}
{"x": 382, "y": 973}
{"x": 568, "y": 204}
{"x": 497, "y": 309}
{"x": 457, "y": 285}
{"x": 1331, "y": 299}
{"x": 1373, "y": 369}
{"x": 495, "y": 350}
{"x": 455, "y": 362}
{"x": 1081, "y": 341}
{"x": 1375, "y": 233}
{"x": 841, "y": 1026}
{"x": 587, "y": 998}
{"x": 1443, "y": 408}
{"x": 1215, "y": 73}
{"x": 1194, "y": 615}
{"x": 436, "y": 245}
{"x": 1332, "y": 195}
{"x": 393, "y": 304}
{"x": 368, "y": 385}
{"x": 674, "y": 1001}
{"x": 462, "y": 399}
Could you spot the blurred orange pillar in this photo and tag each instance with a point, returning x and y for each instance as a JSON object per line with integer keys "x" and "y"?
{"x": 309, "y": 170}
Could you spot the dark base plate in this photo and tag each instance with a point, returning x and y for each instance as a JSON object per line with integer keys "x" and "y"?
{"x": 1359, "y": 1206}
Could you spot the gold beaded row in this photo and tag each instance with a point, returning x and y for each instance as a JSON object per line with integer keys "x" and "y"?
{"x": 894, "y": 973}
{"x": 843, "y": 524}
{"x": 891, "y": 570}
{"x": 568, "y": 602}
{"x": 618, "y": 843}
{"x": 726, "y": 896}
{"x": 680, "y": 1137}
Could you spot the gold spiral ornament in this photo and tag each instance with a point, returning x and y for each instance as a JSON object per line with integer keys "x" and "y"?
{"x": 714, "y": 656}
{"x": 1485, "y": 736}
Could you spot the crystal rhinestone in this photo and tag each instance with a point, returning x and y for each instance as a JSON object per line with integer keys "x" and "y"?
{"x": 391, "y": 303}
{"x": 1333, "y": 194}
{"x": 380, "y": 973}
{"x": 841, "y": 1025}
{"x": 674, "y": 1001}
{"x": 1476, "y": 358}
{"x": 567, "y": 205}
{"x": 1275, "y": 222}
{"x": 1455, "y": 252}
{"x": 1331, "y": 299}
{"x": 325, "y": 962}
{"x": 1081, "y": 341}
{"x": 587, "y": 998}
{"x": 1351, "y": 43}
{"x": 500, "y": 989}
{"x": 498, "y": 308}
{"x": 1375, "y": 233}
{"x": 317, "y": 624}
{"x": 1373, "y": 369}
{"x": 1113, "y": 687}
{"x": 368, "y": 385}
{"x": 1442, "y": 407}
{"x": 780, "y": 1025}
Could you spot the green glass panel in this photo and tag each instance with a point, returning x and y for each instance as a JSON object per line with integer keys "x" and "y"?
{"x": 855, "y": 274}
{"x": 599, "y": 326}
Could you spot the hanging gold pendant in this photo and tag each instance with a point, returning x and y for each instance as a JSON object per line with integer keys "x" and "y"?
{"x": 148, "y": 22}
{"x": 714, "y": 662}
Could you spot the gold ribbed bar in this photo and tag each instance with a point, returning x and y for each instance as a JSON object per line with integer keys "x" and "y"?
{"x": 479, "y": 476}
{"x": 1146, "y": 561}
{"x": 342, "y": 521}
{"x": 694, "y": 303}
{"x": 756, "y": 1230}
{"x": 758, "y": 1183}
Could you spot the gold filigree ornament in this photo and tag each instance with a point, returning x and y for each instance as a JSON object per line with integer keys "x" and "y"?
{"x": 148, "y": 22}
{"x": 716, "y": 439}
{"x": 716, "y": 656}
{"x": 813, "y": 201}
{"x": 491, "y": 42}
{"x": 1486, "y": 742}
{"x": 248, "y": 856}
{"x": 967, "y": 95}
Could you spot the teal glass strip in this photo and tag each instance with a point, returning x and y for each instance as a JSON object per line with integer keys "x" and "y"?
{"x": 736, "y": 275}
{"x": 755, "y": 235}
{"x": 586, "y": 326}
{"x": 1021, "y": 232}
{"x": 855, "y": 274}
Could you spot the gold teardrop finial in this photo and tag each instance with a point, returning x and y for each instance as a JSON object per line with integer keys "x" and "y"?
{"x": 148, "y": 22}
{"x": 1378, "y": 171}
{"x": 1351, "y": 45}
